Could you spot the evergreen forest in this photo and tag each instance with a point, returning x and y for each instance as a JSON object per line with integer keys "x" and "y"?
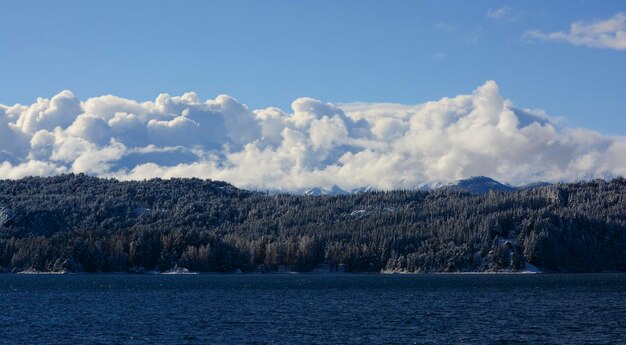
{"x": 78, "y": 223}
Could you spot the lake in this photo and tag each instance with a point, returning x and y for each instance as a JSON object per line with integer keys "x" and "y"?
{"x": 313, "y": 309}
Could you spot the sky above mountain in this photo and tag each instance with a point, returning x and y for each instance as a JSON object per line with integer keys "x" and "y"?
{"x": 289, "y": 95}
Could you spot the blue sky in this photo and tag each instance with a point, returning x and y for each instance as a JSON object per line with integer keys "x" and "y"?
{"x": 377, "y": 63}
{"x": 268, "y": 53}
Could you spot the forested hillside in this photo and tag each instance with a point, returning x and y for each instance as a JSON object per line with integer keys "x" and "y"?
{"x": 81, "y": 223}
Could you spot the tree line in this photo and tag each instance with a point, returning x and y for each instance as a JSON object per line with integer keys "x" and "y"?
{"x": 81, "y": 223}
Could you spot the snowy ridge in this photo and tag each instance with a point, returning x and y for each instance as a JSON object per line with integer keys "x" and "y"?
{"x": 318, "y": 191}
{"x": 476, "y": 185}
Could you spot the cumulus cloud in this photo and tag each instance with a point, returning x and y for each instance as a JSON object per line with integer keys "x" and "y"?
{"x": 315, "y": 143}
{"x": 609, "y": 33}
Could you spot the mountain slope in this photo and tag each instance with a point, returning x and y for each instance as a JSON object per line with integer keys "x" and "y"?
{"x": 318, "y": 191}
{"x": 480, "y": 185}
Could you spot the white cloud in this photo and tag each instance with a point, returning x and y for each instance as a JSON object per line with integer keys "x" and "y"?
{"x": 314, "y": 144}
{"x": 30, "y": 168}
{"x": 499, "y": 13}
{"x": 609, "y": 33}
{"x": 48, "y": 114}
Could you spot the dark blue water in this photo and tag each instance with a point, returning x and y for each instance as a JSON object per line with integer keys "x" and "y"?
{"x": 313, "y": 309}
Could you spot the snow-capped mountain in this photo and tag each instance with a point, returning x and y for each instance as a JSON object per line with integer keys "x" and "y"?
{"x": 365, "y": 189}
{"x": 481, "y": 185}
{"x": 475, "y": 185}
{"x": 318, "y": 191}
{"x": 435, "y": 185}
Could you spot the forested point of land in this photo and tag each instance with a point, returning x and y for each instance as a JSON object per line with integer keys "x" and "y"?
{"x": 79, "y": 223}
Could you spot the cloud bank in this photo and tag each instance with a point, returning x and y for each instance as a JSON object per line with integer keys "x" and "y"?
{"x": 609, "y": 33}
{"x": 382, "y": 145}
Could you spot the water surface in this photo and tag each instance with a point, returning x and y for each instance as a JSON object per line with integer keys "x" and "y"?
{"x": 313, "y": 309}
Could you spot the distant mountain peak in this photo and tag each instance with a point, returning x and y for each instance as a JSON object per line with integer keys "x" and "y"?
{"x": 315, "y": 191}
{"x": 318, "y": 191}
{"x": 476, "y": 185}
{"x": 365, "y": 189}
{"x": 481, "y": 185}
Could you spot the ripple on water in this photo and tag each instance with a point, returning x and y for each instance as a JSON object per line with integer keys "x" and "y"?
{"x": 325, "y": 309}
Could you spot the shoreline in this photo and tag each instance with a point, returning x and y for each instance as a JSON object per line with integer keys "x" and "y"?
{"x": 31, "y": 273}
